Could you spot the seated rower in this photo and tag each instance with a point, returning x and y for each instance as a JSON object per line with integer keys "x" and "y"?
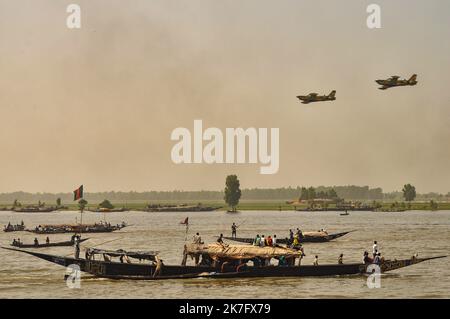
{"x": 197, "y": 239}
{"x": 295, "y": 242}
{"x": 282, "y": 261}
{"x": 220, "y": 239}
{"x": 263, "y": 241}
{"x": 377, "y": 259}
{"x": 316, "y": 261}
{"x": 366, "y": 258}
{"x": 256, "y": 240}
{"x": 341, "y": 259}
{"x": 36, "y": 242}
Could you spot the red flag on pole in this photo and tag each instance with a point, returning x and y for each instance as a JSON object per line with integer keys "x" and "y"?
{"x": 186, "y": 221}
{"x": 78, "y": 193}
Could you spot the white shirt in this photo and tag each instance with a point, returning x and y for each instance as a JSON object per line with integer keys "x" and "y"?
{"x": 263, "y": 242}
{"x": 274, "y": 241}
{"x": 375, "y": 248}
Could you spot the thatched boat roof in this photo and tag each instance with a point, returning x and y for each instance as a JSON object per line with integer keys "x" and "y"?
{"x": 218, "y": 250}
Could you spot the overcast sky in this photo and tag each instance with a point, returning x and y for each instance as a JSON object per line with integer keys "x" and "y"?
{"x": 96, "y": 106}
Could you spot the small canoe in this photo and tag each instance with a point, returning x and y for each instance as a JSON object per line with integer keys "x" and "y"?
{"x": 58, "y": 244}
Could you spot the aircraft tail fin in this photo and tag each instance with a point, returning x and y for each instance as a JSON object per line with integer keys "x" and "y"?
{"x": 413, "y": 78}
{"x": 332, "y": 94}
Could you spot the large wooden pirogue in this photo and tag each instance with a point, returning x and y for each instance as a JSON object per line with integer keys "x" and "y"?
{"x": 308, "y": 237}
{"x": 77, "y": 228}
{"x": 218, "y": 261}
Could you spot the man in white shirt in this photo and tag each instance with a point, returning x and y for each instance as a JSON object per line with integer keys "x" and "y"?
{"x": 274, "y": 240}
{"x": 316, "y": 261}
{"x": 375, "y": 249}
{"x": 197, "y": 239}
{"x": 263, "y": 241}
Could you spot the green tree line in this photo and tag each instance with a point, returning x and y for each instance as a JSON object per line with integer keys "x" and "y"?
{"x": 283, "y": 193}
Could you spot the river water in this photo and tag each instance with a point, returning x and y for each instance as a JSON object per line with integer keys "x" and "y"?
{"x": 400, "y": 235}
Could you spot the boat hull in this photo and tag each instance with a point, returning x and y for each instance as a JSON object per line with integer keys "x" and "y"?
{"x": 60, "y": 244}
{"x": 83, "y": 230}
{"x": 140, "y": 271}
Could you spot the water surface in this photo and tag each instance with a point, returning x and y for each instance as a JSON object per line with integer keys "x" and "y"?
{"x": 400, "y": 235}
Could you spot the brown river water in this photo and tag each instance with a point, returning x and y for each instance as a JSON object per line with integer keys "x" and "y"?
{"x": 400, "y": 235}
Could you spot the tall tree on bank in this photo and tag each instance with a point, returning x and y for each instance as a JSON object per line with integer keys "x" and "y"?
{"x": 409, "y": 192}
{"x": 232, "y": 191}
{"x": 106, "y": 204}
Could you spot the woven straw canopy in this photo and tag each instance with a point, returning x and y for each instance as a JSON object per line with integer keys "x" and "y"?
{"x": 224, "y": 251}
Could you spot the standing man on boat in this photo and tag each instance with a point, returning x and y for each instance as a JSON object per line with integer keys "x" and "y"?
{"x": 233, "y": 230}
{"x": 159, "y": 265}
{"x": 375, "y": 249}
{"x": 77, "y": 248}
{"x": 291, "y": 236}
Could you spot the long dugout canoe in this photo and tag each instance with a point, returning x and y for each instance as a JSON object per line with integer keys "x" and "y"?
{"x": 306, "y": 239}
{"x": 44, "y": 245}
{"x": 140, "y": 271}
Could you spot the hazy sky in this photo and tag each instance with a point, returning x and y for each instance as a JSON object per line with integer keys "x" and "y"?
{"x": 96, "y": 106}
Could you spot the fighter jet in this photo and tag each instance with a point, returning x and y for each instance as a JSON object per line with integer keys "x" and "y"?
{"x": 394, "y": 81}
{"x": 314, "y": 97}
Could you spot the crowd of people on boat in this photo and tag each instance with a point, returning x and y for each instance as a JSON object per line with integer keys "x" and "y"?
{"x": 18, "y": 243}
{"x": 17, "y": 227}
{"x": 376, "y": 255}
{"x": 262, "y": 241}
{"x": 78, "y": 228}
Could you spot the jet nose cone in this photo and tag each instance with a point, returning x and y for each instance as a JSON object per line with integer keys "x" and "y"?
{"x": 379, "y": 81}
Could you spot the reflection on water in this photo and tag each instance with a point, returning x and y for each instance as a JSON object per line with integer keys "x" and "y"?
{"x": 400, "y": 235}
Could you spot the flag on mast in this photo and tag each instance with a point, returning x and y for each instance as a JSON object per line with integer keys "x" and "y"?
{"x": 186, "y": 222}
{"x": 78, "y": 193}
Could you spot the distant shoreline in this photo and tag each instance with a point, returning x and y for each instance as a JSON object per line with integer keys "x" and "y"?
{"x": 262, "y": 205}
